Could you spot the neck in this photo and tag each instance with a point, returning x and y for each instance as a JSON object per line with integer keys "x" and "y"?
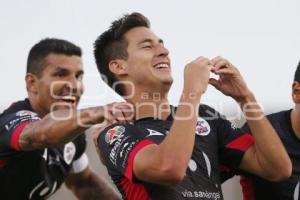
{"x": 150, "y": 104}
{"x": 295, "y": 119}
{"x": 36, "y": 107}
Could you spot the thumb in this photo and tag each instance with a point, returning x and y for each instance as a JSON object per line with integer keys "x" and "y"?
{"x": 214, "y": 82}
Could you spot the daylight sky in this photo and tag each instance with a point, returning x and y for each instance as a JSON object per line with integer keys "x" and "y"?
{"x": 261, "y": 38}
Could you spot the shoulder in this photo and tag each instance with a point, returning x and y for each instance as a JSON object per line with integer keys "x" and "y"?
{"x": 279, "y": 116}
{"x": 20, "y": 110}
{"x": 208, "y": 111}
{"x": 118, "y": 131}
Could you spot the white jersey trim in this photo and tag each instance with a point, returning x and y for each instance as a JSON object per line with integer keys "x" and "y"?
{"x": 80, "y": 164}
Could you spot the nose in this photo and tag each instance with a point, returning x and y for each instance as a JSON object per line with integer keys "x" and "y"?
{"x": 162, "y": 51}
{"x": 73, "y": 85}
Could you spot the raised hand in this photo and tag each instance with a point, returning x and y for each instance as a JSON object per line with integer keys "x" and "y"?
{"x": 230, "y": 82}
{"x": 196, "y": 75}
{"x": 112, "y": 113}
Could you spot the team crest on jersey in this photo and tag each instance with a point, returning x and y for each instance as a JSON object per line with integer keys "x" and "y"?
{"x": 25, "y": 113}
{"x": 69, "y": 152}
{"x": 113, "y": 134}
{"x": 202, "y": 127}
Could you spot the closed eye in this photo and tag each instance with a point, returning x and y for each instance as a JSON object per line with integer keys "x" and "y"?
{"x": 147, "y": 47}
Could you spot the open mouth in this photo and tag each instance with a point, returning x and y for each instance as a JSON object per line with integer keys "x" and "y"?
{"x": 68, "y": 99}
{"x": 162, "y": 66}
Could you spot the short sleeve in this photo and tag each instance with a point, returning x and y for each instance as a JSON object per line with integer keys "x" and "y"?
{"x": 233, "y": 143}
{"x": 80, "y": 143}
{"x": 119, "y": 145}
{"x": 11, "y": 126}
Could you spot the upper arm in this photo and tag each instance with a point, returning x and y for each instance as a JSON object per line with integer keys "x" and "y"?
{"x": 148, "y": 167}
{"x": 88, "y": 185}
{"x": 119, "y": 146}
{"x": 80, "y": 172}
{"x": 73, "y": 180}
{"x": 234, "y": 144}
{"x": 250, "y": 163}
{"x": 15, "y": 126}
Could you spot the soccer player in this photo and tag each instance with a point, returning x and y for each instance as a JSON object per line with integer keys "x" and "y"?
{"x": 42, "y": 143}
{"x": 287, "y": 125}
{"x": 173, "y": 153}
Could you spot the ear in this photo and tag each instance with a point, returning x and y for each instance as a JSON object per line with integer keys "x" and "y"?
{"x": 296, "y": 92}
{"x": 118, "y": 67}
{"x": 31, "y": 83}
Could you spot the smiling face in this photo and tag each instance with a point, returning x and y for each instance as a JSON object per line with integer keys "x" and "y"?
{"x": 148, "y": 62}
{"x": 60, "y": 85}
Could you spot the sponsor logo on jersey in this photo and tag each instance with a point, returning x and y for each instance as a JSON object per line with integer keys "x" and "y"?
{"x": 25, "y": 113}
{"x": 202, "y": 127}
{"x": 69, "y": 152}
{"x": 154, "y": 133}
{"x": 21, "y": 117}
{"x": 202, "y": 194}
{"x": 113, "y": 134}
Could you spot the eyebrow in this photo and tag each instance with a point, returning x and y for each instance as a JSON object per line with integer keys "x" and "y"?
{"x": 57, "y": 69}
{"x": 62, "y": 69}
{"x": 150, "y": 40}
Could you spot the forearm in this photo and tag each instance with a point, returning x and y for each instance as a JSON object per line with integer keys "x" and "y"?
{"x": 55, "y": 128}
{"x": 176, "y": 149}
{"x": 94, "y": 188}
{"x": 269, "y": 151}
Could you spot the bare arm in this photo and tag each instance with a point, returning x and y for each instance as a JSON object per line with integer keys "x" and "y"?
{"x": 267, "y": 157}
{"x": 88, "y": 185}
{"x": 166, "y": 163}
{"x": 63, "y": 125}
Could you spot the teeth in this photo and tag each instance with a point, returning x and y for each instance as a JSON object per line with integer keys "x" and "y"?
{"x": 162, "y": 66}
{"x": 68, "y": 98}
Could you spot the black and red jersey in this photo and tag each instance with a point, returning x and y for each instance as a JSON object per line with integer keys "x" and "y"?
{"x": 218, "y": 146}
{"x": 261, "y": 189}
{"x": 31, "y": 174}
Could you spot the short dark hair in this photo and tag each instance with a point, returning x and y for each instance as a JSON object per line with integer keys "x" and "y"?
{"x": 38, "y": 53}
{"x": 112, "y": 45}
{"x": 297, "y": 73}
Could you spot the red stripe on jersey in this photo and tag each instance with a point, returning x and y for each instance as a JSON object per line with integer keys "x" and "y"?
{"x": 134, "y": 191}
{"x": 14, "y": 143}
{"x": 129, "y": 167}
{"x": 241, "y": 143}
{"x": 247, "y": 188}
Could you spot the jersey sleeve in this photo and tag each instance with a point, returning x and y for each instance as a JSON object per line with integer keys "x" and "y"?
{"x": 80, "y": 143}
{"x": 233, "y": 143}
{"x": 119, "y": 144}
{"x": 11, "y": 126}
{"x": 80, "y": 164}
{"x": 81, "y": 160}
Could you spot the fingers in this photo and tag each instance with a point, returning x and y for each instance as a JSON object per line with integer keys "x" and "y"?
{"x": 123, "y": 112}
{"x": 214, "y": 83}
{"x": 113, "y": 113}
{"x": 96, "y": 130}
{"x": 223, "y": 66}
{"x": 119, "y": 113}
{"x": 220, "y": 63}
{"x": 203, "y": 61}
